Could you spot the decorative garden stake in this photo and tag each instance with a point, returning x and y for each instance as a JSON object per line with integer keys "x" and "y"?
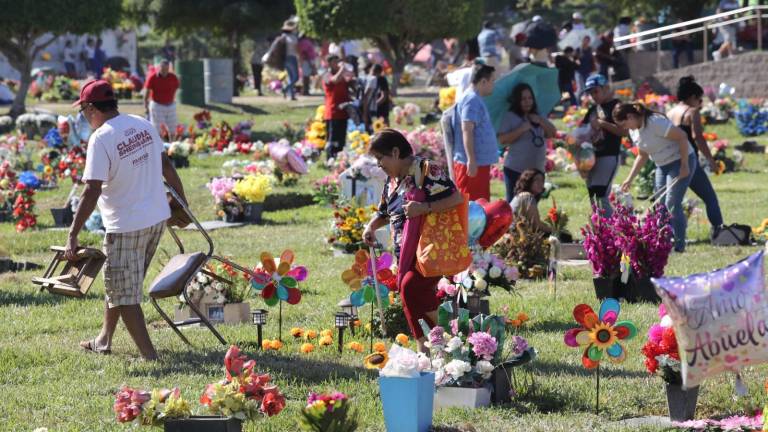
{"x": 278, "y": 282}
{"x": 365, "y": 279}
{"x": 259, "y": 319}
{"x": 598, "y": 334}
{"x": 341, "y": 320}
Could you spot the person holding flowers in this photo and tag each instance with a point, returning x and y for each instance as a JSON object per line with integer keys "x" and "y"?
{"x": 667, "y": 145}
{"x": 407, "y": 175}
{"x": 685, "y": 115}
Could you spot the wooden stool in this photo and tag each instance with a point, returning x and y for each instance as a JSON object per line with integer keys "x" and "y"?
{"x": 76, "y": 277}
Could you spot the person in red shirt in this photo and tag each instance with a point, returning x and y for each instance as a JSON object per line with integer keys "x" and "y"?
{"x": 336, "y": 88}
{"x": 159, "y": 96}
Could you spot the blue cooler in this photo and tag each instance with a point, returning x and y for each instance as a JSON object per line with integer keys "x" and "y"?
{"x": 408, "y": 402}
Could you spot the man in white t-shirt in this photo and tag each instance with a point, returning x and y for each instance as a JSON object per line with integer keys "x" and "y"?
{"x": 124, "y": 170}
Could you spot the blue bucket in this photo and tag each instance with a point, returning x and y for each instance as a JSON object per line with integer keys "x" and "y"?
{"x": 408, "y": 402}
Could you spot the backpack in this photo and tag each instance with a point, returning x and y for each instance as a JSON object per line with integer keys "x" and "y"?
{"x": 275, "y": 56}
{"x": 732, "y": 235}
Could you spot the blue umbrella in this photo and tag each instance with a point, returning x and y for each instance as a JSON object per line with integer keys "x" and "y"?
{"x": 542, "y": 80}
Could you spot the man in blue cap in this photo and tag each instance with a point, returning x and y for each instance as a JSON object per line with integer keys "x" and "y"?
{"x": 606, "y": 138}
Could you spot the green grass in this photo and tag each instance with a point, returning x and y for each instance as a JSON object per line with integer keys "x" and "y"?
{"x": 48, "y": 381}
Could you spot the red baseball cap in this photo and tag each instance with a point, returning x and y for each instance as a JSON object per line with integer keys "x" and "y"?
{"x": 95, "y": 91}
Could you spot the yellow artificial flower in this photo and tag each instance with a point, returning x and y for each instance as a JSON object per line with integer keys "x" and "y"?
{"x": 325, "y": 341}
{"x": 326, "y": 333}
{"x": 379, "y": 347}
{"x": 310, "y": 334}
{"x": 355, "y": 346}
{"x": 297, "y": 332}
{"x": 307, "y": 348}
{"x": 402, "y": 339}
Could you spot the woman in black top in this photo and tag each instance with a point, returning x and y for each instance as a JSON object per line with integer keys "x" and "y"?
{"x": 686, "y": 116}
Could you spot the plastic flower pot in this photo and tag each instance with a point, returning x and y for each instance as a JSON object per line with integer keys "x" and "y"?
{"x": 62, "y": 217}
{"x": 204, "y": 424}
{"x": 408, "y": 402}
{"x": 462, "y": 397}
{"x": 478, "y": 305}
{"x": 233, "y": 217}
{"x": 641, "y": 290}
{"x": 604, "y": 286}
{"x": 252, "y": 212}
{"x": 681, "y": 403}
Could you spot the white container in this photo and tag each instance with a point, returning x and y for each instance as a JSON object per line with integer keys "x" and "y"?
{"x": 369, "y": 190}
{"x": 462, "y": 397}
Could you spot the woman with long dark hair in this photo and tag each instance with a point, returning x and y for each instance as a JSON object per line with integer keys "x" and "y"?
{"x": 524, "y": 132}
{"x": 408, "y": 175}
{"x": 667, "y": 145}
{"x": 528, "y": 188}
{"x": 685, "y": 115}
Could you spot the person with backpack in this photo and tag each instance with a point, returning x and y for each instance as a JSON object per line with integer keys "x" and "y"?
{"x": 667, "y": 145}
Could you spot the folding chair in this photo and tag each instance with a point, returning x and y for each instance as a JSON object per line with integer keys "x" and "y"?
{"x": 179, "y": 272}
{"x": 76, "y": 277}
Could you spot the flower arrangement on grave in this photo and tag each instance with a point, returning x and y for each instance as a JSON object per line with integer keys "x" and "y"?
{"x": 315, "y": 132}
{"x": 557, "y": 219}
{"x": 526, "y": 248}
{"x": 661, "y": 351}
{"x": 601, "y": 244}
{"x": 243, "y": 394}
{"x": 121, "y": 84}
{"x": 487, "y": 270}
{"x": 358, "y": 141}
{"x": 216, "y": 287}
{"x": 573, "y": 116}
{"x": 328, "y": 413}
{"x": 406, "y": 114}
{"x": 202, "y": 119}
{"x": 62, "y": 88}
{"x": 179, "y": 150}
{"x": 427, "y": 143}
{"x": 227, "y": 203}
{"x": 751, "y": 117}
{"x": 348, "y": 224}
{"x": 23, "y": 210}
{"x": 326, "y": 190}
{"x": 464, "y": 352}
{"x": 718, "y": 148}
{"x": 657, "y": 102}
{"x": 446, "y": 98}
{"x": 253, "y": 188}
{"x": 144, "y": 408}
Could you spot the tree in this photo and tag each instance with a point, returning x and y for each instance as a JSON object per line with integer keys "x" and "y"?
{"x": 28, "y": 26}
{"x": 399, "y": 28}
{"x": 229, "y": 18}
{"x": 607, "y": 12}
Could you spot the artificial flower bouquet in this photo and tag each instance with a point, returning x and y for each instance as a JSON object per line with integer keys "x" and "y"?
{"x": 326, "y": 189}
{"x": 446, "y": 98}
{"x": 427, "y": 143}
{"x": 315, "y": 131}
{"x": 487, "y": 270}
{"x": 646, "y": 240}
{"x": 228, "y": 205}
{"x": 153, "y": 408}
{"x": 557, "y": 219}
{"x": 406, "y": 113}
{"x": 179, "y": 152}
{"x": 601, "y": 244}
{"x": 662, "y": 356}
{"x": 751, "y": 117}
{"x": 23, "y": 210}
{"x": 348, "y": 224}
{"x": 202, "y": 119}
{"x": 253, "y": 188}
{"x": 243, "y": 394}
{"x": 358, "y": 141}
{"x": 328, "y": 413}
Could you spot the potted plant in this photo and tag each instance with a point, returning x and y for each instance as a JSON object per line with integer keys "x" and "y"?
{"x": 219, "y": 293}
{"x": 600, "y": 237}
{"x": 662, "y": 357}
{"x": 328, "y": 413}
{"x": 253, "y": 190}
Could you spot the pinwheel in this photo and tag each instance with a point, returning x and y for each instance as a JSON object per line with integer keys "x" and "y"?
{"x": 600, "y": 334}
{"x": 278, "y": 282}
{"x": 361, "y": 281}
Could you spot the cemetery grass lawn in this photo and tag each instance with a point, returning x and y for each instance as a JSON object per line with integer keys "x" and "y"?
{"x": 48, "y": 381}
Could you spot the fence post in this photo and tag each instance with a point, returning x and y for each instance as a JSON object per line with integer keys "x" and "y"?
{"x": 658, "y": 52}
{"x": 705, "y": 54}
{"x": 759, "y": 29}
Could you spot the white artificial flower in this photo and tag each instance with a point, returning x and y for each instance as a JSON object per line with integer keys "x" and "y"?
{"x": 457, "y": 368}
{"x": 484, "y": 368}
{"x": 438, "y": 363}
{"x": 479, "y": 273}
{"x": 424, "y": 362}
{"x": 494, "y": 272}
{"x": 481, "y": 284}
{"x": 201, "y": 278}
{"x": 194, "y": 286}
{"x": 453, "y": 344}
{"x": 207, "y": 289}
{"x": 218, "y": 286}
{"x": 221, "y": 299}
{"x": 666, "y": 321}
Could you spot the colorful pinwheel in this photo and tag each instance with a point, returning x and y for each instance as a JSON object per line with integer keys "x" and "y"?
{"x": 278, "y": 282}
{"x": 360, "y": 278}
{"x": 599, "y": 333}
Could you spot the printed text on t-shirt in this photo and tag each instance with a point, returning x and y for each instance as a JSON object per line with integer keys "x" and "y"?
{"x": 136, "y": 142}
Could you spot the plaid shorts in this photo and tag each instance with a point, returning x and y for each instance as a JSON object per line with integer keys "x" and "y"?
{"x": 128, "y": 257}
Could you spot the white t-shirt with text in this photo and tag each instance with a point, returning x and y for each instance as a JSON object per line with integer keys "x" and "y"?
{"x": 652, "y": 139}
{"x": 126, "y": 154}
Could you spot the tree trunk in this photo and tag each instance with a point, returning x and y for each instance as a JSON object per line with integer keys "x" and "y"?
{"x": 19, "y": 102}
{"x": 20, "y": 53}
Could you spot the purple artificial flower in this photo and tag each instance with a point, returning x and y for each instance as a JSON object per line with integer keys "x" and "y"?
{"x": 519, "y": 345}
{"x": 483, "y": 345}
{"x": 436, "y": 336}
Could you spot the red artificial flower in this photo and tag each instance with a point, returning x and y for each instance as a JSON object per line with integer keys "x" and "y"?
{"x": 207, "y": 397}
{"x": 233, "y": 362}
{"x": 273, "y": 403}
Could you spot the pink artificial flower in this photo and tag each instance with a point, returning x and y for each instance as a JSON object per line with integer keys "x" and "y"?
{"x": 483, "y": 345}
{"x": 655, "y": 333}
{"x": 662, "y": 310}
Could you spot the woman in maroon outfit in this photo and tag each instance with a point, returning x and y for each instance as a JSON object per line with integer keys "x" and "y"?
{"x": 414, "y": 188}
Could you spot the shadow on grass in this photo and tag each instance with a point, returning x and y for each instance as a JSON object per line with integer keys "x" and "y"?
{"x": 33, "y": 298}
{"x": 547, "y": 367}
{"x": 236, "y": 108}
{"x": 288, "y": 201}
{"x": 305, "y": 371}
{"x": 552, "y": 326}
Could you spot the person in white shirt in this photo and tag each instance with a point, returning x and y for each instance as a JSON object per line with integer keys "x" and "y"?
{"x": 578, "y": 21}
{"x": 124, "y": 170}
{"x": 666, "y": 145}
